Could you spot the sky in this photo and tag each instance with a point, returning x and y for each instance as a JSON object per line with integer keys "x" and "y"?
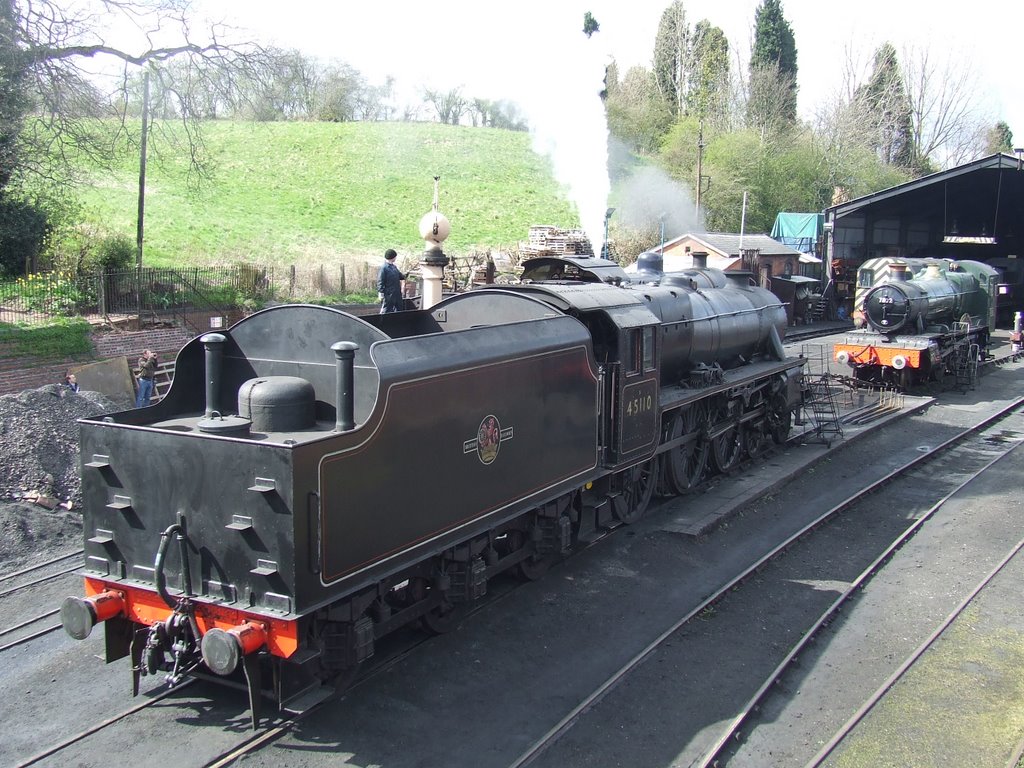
{"x": 533, "y": 52}
{"x": 507, "y": 48}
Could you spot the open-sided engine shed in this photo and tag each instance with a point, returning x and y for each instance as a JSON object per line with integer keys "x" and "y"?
{"x": 974, "y": 211}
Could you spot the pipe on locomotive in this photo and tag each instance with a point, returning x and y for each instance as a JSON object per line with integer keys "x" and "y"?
{"x": 345, "y": 353}
{"x": 177, "y": 530}
{"x": 213, "y": 343}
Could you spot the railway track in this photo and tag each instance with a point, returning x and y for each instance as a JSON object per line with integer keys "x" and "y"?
{"x": 965, "y": 448}
{"x": 240, "y": 748}
{"x": 972, "y": 451}
{"x": 55, "y": 749}
{"x": 22, "y": 592}
{"x": 907, "y": 664}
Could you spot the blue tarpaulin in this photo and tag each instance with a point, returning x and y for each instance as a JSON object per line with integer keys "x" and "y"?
{"x": 799, "y": 230}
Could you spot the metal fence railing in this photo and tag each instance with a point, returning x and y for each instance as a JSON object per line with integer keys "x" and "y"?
{"x": 39, "y": 298}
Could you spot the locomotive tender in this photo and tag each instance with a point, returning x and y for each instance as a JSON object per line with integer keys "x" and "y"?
{"x": 924, "y": 325}
{"x": 314, "y": 480}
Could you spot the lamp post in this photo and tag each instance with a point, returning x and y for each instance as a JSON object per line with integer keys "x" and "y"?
{"x": 661, "y": 222}
{"x": 607, "y": 217}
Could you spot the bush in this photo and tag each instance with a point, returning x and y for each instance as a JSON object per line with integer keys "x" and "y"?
{"x": 116, "y": 253}
{"x": 51, "y": 292}
{"x": 23, "y": 231}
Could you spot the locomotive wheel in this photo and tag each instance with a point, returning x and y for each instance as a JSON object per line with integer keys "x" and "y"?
{"x": 683, "y": 466}
{"x": 637, "y": 488}
{"x": 533, "y": 567}
{"x": 754, "y": 440}
{"x": 443, "y": 617}
{"x": 727, "y": 448}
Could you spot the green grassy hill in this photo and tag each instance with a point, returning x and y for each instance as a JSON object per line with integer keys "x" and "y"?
{"x": 317, "y": 192}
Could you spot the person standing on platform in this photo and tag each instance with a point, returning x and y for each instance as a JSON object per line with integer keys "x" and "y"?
{"x": 389, "y": 284}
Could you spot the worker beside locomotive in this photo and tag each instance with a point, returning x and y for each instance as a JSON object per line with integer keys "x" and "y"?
{"x": 326, "y": 479}
{"x": 924, "y": 325}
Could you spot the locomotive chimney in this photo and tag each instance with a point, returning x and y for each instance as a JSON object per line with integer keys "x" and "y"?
{"x": 345, "y": 353}
{"x": 700, "y": 259}
{"x": 214, "y": 345}
{"x": 899, "y": 271}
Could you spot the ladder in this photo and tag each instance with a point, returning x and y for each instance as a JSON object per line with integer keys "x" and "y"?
{"x": 963, "y": 361}
{"x": 819, "y": 397}
{"x": 965, "y": 365}
{"x": 819, "y": 310}
{"x": 162, "y": 379}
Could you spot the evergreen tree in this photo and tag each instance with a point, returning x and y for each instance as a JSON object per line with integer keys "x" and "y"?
{"x": 999, "y": 139}
{"x": 885, "y": 97}
{"x": 775, "y": 50}
{"x": 708, "y": 92}
{"x": 672, "y": 57}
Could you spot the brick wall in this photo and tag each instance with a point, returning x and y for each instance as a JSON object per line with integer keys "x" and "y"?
{"x": 164, "y": 341}
{"x": 17, "y": 375}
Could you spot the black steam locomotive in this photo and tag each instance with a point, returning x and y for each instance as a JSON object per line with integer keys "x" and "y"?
{"x": 923, "y": 325}
{"x": 314, "y": 480}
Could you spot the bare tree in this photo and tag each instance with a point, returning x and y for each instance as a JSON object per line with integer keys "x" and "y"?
{"x": 637, "y": 115}
{"x": 450, "y": 105}
{"x": 61, "y": 49}
{"x": 769, "y": 99}
{"x": 948, "y": 124}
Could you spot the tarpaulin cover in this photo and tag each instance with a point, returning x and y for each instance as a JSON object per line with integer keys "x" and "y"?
{"x": 799, "y": 230}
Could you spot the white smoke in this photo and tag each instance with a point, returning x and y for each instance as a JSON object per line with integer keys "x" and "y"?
{"x": 568, "y": 124}
{"x": 555, "y": 74}
{"x": 650, "y": 198}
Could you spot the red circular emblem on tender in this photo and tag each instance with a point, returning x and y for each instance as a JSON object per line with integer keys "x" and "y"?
{"x": 488, "y": 439}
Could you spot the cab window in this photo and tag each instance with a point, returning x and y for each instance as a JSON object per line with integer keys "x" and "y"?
{"x": 641, "y": 351}
{"x": 649, "y": 361}
{"x": 635, "y": 351}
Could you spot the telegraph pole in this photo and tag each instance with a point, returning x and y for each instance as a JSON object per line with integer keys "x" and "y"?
{"x": 142, "y": 169}
{"x": 700, "y": 162}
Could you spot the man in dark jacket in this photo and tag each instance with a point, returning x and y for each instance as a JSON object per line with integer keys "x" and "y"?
{"x": 389, "y": 284}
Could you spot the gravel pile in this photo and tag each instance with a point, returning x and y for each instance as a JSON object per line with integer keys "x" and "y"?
{"x": 40, "y": 488}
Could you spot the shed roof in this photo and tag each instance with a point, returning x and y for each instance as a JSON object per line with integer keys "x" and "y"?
{"x": 976, "y": 191}
{"x": 733, "y": 245}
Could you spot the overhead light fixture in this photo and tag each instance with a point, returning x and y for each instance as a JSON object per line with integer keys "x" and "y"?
{"x": 967, "y": 240}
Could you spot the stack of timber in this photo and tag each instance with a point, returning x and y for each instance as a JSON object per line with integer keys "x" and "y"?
{"x": 552, "y": 241}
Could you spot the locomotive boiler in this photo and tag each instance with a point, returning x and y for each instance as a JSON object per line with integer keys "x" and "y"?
{"x": 314, "y": 480}
{"x": 923, "y": 326}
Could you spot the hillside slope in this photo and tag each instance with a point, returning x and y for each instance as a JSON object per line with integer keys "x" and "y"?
{"x": 287, "y": 192}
